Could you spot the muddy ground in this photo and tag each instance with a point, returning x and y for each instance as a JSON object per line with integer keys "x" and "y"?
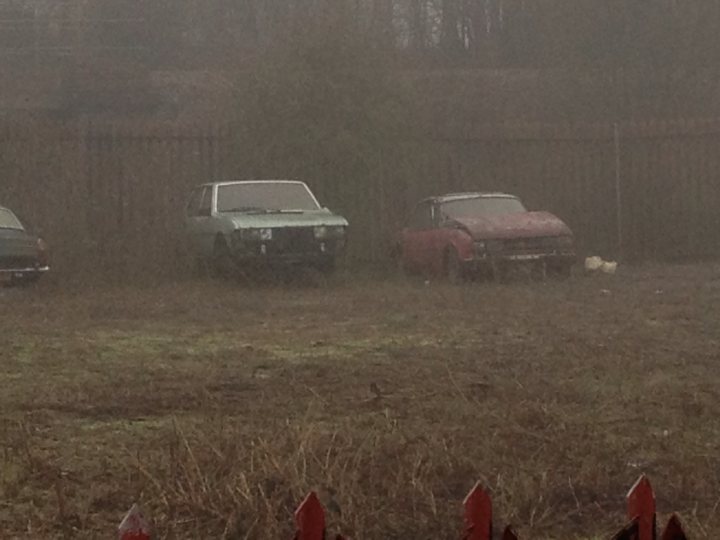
{"x": 217, "y": 406}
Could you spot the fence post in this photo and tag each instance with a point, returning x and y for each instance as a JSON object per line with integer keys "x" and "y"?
{"x": 618, "y": 191}
{"x": 310, "y": 519}
{"x": 478, "y": 514}
{"x": 641, "y": 508}
{"x": 674, "y": 530}
{"x": 134, "y": 526}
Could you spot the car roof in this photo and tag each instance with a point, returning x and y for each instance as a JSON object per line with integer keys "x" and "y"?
{"x": 448, "y": 197}
{"x": 236, "y": 182}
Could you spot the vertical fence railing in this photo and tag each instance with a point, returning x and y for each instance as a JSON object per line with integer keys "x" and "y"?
{"x": 479, "y": 516}
{"x": 310, "y": 521}
{"x": 642, "y": 516}
{"x": 129, "y": 181}
{"x": 134, "y": 526}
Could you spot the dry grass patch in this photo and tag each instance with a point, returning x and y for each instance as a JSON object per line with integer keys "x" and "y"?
{"x": 218, "y": 407}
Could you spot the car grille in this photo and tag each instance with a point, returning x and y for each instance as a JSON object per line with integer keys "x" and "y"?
{"x": 13, "y": 263}
{"x": 530, "y": 244}
{"x": 291, "y": 240}
{"x": 525, "y": 245}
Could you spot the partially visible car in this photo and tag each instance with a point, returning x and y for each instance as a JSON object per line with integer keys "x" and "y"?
{"x": 252, "y": 224}
{"x": 462, "y": 235}
{"x": 23, "y": 256}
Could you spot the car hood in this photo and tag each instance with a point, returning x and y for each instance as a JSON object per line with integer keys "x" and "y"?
{"x": 17, "y": 243}
{"x": 277, "y": 220}
{"x": 516, "y": 225}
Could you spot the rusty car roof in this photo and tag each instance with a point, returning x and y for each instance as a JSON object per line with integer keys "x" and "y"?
{"x": 468, "y": 195}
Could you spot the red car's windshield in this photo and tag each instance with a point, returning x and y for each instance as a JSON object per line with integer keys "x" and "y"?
{"x": 481, "y": 207}
{"x": 265, "y": 196}
{"x": 9, "y": 221}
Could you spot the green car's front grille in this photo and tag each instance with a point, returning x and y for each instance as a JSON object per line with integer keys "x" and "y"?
{"x": 292, "y": 240}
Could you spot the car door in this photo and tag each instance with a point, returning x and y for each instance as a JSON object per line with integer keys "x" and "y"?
{"x": 417, "y": 237}
{"x": 438, "y": 238}
{"x": 199, "y": 221}
{"x": 191, "y": 213}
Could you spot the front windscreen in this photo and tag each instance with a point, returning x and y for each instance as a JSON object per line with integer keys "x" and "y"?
{"x": 265, "y": 197}
{"x": 481, "y": 207}
{"x": 9, "y": 221}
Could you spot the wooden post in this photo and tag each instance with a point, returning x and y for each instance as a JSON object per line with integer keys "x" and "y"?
{"x": 618, "y": 190}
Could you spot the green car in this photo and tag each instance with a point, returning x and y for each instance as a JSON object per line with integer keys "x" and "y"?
{"x": 23, "y": 256}
{"x": 257, "y": 224}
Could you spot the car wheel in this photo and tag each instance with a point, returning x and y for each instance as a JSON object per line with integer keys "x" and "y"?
{"x": 327, "y": 268}
{"x": 563, "y": 271}
{"x": 399, "y": 262}
{"x": 454, "y": 271}
{"x": 499, "y": 272}
{"x": 316, "y": 277}
{"x": 200, "y": 267}
{"x": 28, "y": 281}
{"x": 222, "y": 262}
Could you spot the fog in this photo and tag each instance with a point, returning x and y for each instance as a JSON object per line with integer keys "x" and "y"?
{"x": 602, "y": 112}
{"x": 365, "y": 254}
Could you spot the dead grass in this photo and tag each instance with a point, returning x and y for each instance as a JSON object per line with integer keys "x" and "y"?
{"x": 218, "y": 407}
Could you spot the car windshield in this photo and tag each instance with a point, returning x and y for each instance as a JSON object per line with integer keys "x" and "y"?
{"x": 481, "y": 207}
{"x": 9, "y": 221}
{"x": 265, "y": 197}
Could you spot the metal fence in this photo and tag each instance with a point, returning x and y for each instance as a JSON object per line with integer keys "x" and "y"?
{"x": 113, "y": 194}
{"x": 478, "y": 523}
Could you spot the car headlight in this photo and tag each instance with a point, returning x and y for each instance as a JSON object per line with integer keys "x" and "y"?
{"x": 262, "y": 235}
{"x": 564, "y": 241}
{"x": 494, "y": 245}
{"x": 325, "y": 232}
{"x": 42, "y": 252}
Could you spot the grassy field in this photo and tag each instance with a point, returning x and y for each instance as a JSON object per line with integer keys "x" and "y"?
{"x": 218, "y": 406}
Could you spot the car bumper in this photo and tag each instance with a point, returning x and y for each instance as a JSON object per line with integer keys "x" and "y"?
{"x": 551, "y": 258}
{"x": 555, "y": 256}
{"x": 10, "y": 275}
{"x": 318, "y": 253}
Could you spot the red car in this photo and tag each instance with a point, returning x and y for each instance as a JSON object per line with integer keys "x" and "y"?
{"x": 462, "y": 235}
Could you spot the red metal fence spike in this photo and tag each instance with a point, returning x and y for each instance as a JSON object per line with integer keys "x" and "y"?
{"x": 627, "y": 533}
{"x": 310, "y": 519}
{"x": 134, "y": 526}
{"x": 478, "y": 514}
{"x": 509, "y": 534}
{"x": 674, "y": 530}
{"x": 641, "y": 507}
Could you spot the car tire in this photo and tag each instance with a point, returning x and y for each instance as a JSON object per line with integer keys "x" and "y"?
{"x": 561, "y": 272}
{"x": 499, "y": 272}
{"x": 327, "y": 267}
{"x": 199, "y": 267}
{"x": 27, "y": 281}
{"x": 222, "y": 262}
{"x": 454, "y": 271}
{"x": 397, "y": 261}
